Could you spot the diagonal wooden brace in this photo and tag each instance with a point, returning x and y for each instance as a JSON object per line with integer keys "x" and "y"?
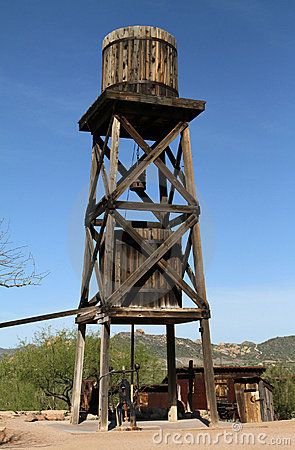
{"x": 130, "y": 177}
{"x": 123, "y": 171}
{"x": 99, "y": 162}
{"x": 164, "y": 169}
{"x": 163, "y": 264}
{"x": 94, "y": 253}
{"x": 151, "y": 261}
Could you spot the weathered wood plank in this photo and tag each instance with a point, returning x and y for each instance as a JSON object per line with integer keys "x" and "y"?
{"x": 196, "y": 235}
{"x": 96, "y": 167}
{"x": 209, "y": 371}
{"x": 151, "y": 260}
{"x": 152, "y": 155}
{"x": 140, "y": 68}
{"x": 79, "y": 359}
{"x": 104, "y": 377}
{"x": 123, "y": 171}
{"x": 49, "y": 316}
{"x": 108, "y": 286}
{"x": 200, "y": 283}
{"x": 171, "y": 369}
{"x": 109, "y": 234}
{"x": 177, "y": 220}
{"x": 176, "y": 314}
{"x": 161, "y": 316}
{"x": 90, "y": 263}
{"x": 163, "y": 207}
{"x": 135, "y": 223}
{"x": 163, "y": 264}
{"x": 176, "y": 162}
{"x": 173, "y": 107}
{"x": 164, "y": 143}
{"x": 163, "y": 187}
{"x": 94, "y": 252}
{"x": 186, "y": 253}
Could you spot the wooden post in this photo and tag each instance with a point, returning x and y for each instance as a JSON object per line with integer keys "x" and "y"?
{"x": 172, "y": 389}
{"x": 196, "y": 236}
{"x": 76, "y": 395}
{"x": 103, "y": 405}
{"x": 80, "y": 346}
{"x": 108, "y": 288}
{"x": 200, "y": 281}
{"x": 191, "y": 378}
{"x": 132, "y": 359}
{"x": 208, "y": 371}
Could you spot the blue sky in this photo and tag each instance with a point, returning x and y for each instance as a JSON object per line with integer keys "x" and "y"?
{"x": 239, "y": 57}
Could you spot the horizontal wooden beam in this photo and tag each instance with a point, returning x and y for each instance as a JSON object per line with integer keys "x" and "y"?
{"x": 163, "y": 207}
{"x": 56, "y": 315}
{"x": 135, "y": 223}
{"x": 156, "y": 316}
{"x": 139, "y": 315}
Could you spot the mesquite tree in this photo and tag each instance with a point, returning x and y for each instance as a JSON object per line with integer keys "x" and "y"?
{"x": 17, "y": 267}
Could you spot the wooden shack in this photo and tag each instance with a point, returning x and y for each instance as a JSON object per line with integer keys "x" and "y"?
{"x": 241, "y": 393}
{"x": 254, "y": 399}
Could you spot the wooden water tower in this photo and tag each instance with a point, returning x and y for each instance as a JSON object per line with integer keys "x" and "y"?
{"x": 142, "y": 264}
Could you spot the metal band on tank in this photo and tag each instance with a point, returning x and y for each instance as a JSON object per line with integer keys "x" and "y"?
{"x": 154, "y": 83}
{"x": 134, "y": 38}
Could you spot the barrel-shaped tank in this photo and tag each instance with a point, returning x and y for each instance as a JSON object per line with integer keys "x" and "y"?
{"x": 140, "y": 59}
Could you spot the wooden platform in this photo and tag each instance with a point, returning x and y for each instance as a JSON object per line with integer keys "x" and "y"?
{"x": 145, "y": 316}
{"x": 155, "y": 116}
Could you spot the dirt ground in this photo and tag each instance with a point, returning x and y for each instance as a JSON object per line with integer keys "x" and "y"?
{"x": 183, "y": 434}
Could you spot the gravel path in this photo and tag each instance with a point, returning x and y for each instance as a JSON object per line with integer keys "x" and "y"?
{"x": 184, "y": 435}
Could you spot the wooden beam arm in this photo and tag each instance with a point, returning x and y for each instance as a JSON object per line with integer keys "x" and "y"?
{"x": 40, "y": 318}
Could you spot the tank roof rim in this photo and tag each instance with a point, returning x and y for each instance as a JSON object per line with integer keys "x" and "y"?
{"x": 108, "y": 37}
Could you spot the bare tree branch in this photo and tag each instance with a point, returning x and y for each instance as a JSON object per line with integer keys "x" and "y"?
{"x": 17, "y": 269}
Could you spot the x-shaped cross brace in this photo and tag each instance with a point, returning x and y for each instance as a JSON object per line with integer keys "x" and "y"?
{"x": 152, "y": 155}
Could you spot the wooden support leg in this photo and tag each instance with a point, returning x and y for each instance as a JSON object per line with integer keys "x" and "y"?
{"x": 76, "y": 395}
{"x": 209, "y": 372}
{"x": 196, "y": 235}
{"x": 103, "y": 404}
{"x": 200, "y": 281}
{"x": 191, "y": 377}
{"x": 172, "y": 389}
{"x": 132, "y": 360}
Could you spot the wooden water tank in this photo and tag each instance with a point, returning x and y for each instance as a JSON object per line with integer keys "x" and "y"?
{"x": 154, "y": 290}
{"x": 140, "y": 59}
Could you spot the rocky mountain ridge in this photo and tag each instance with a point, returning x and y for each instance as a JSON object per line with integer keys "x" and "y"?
{"x": 275, "y": 350}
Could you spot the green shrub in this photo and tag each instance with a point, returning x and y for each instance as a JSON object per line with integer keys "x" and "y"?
{"x": 283, "y": 381}
{"x": 39, "y": 374}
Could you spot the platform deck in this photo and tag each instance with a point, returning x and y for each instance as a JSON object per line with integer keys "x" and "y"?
{"x": 154, "y": 115}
